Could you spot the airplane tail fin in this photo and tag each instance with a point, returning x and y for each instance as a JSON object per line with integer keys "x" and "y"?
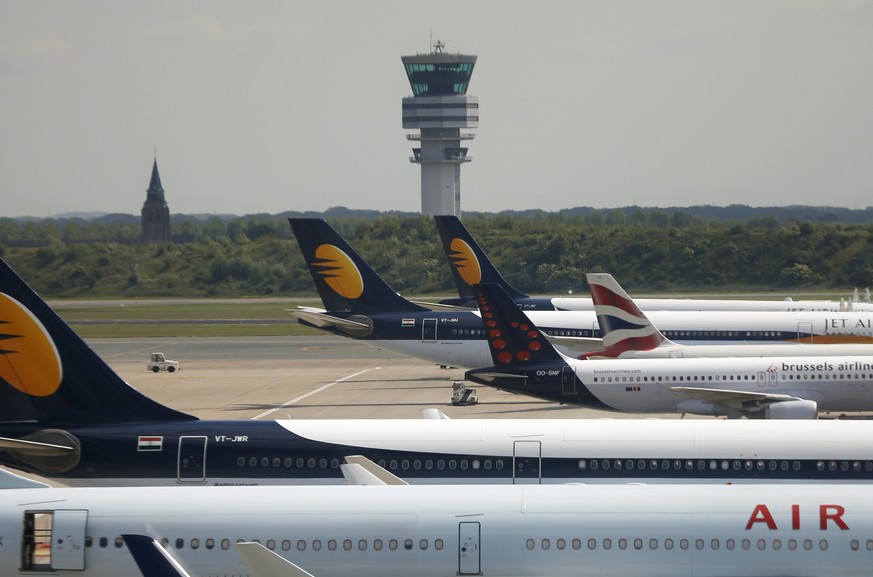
{"x": 344, "y": 280}
{"x": 512, "y": 337}
{"x": 49, "y": 375}
{"x": 469, "y": 264}
{"x": 624, "y": 326}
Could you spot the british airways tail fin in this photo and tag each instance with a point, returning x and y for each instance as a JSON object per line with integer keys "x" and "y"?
{"x": 624, "y": 326}
{"x": 468, "y": 261}
{"x": 345, "y": 282}
{"x": 512, "y": 337}
{"x": 50, "y": 376}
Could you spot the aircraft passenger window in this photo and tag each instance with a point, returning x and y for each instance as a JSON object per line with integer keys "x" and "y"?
{"x": 438, "y": 544}
{"x": 404, "y": 464}
{"x": 407, "y": 544}
{"x": 607, "y": 544}
{"x": 195, "y": 543}
{"x": 868, "y": 466}
{"x": 331, "y": 545}
{"x": 771, "y": 465}
{"x": 322, "y": 463}
{"x": 807, "y": 544}
{"x": 689, "y": 465}
{"x": 698, "y": 544}
{"x": 530, "y": 544}
{"x": 475, "y": 464}
{"x": 844, "y": 466}
{"x": 362, "y": 545}
{"x": 668, "y": 544}
{"x": 665, "y": 464}
{"x": 725, "y": 465}
{"x": 820, "y": 466}
{"x": 240, "y": 461}
{"x": 347, "y": 545}
{"x": 870, "y": 544}
{"x": 823, "y": 544}
{"x": 253, "y": 461}
{"x": 416, "y": 464}
{"x": 286, "y": 545}
{"x": 422, "y": 544}
{"x": 760, "y": 465}
{"x": 301, "y": 545}
{"x": 316, "y": 544}
{"x": 89, "y": 541}
{"x": 210, "y": 543}
{"x": 464, "y": 464}
{"x": 576, "y": 544}
{"x": 622, "y": 544}
{"x": 265, "y": 461}
{"x": 638, "y": 544}
{"x": 677, "y": 464}
{"x": 453, "y": 464}
{"x": 714, "y": 544}
{"x": 629, "y": 465}
{"x": 289, "y": 462}
{"x": 748, "y": 465}
{"x": 777, "y": 544}
{"x": 854, "y": 545}
{"x": 441, "y": 464}
{"x": 683, "y": 544}
{"x": 762, "y": 544}
{"x": 487, "y": 464}
{"x": 653, "y": 544}
{"x": 310, "y": 463}
{"x": 103, "y": 542}
{"x": 560, "y": 543}
{"x": 393, "y": 464}
{"x": 225, "y": 544}
{"x": 299, "y": 462}
{"x": 641, "y": 464}
{"x": 392, "y": 544}
{"x": 605, "y": 465}
{"x": 545, "y": 544}
{"x": 832, "y": 466}
{"x": 746, "y": 544}
{"x": 617, "y": 465}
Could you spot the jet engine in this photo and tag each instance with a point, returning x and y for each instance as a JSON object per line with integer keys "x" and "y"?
{"x": 799, "y": 409}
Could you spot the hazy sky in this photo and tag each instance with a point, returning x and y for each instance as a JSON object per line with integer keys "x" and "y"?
{"x": 266, "y": 106}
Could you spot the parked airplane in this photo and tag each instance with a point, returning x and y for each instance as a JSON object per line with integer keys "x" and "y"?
{"x": 764, "y": 387}
{"x": 675, "y": 530}
{"x": 360, "y": 304}
{"x": 470, "y": 265}
{"x": 628, "y": 333}
{"x": 66, "y": 415}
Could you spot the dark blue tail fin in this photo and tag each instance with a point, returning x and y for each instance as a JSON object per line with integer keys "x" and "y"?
{"x": 49, "y": 375}
{"x": 512, "y": 337}
{"x": 344, "y": 280}
{"x": 152, "y": 558}
{"x": 468, "y": 261}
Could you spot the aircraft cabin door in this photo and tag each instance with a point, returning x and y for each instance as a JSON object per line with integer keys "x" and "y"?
{"x": 805, "y": 328}
{"x": 526, "y": 462}
{"x": 192, "y": 460}
{"x": 568, "y": 381}
{"x": 429, "y": 330}
{"x": 766, "y": 378}
{"x": 68, "y": 539}
{"x": 469, "y": 556}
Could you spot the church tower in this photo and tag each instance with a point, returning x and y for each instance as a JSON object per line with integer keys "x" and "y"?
{"x": 155, "y": 212}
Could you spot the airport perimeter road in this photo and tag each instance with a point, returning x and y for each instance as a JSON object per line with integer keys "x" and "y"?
{"x": 320, "y": 377}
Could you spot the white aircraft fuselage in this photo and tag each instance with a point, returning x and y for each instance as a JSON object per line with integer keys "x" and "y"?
{"x": 445, "y": 531}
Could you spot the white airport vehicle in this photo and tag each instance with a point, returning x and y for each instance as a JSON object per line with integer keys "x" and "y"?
{"x": 158, "y": 362}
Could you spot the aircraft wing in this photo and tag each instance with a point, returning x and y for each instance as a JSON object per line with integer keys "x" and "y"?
{"x": 261, "y": 562}
{"x": 34, "y": 448}
{"x": 739, "y": 400}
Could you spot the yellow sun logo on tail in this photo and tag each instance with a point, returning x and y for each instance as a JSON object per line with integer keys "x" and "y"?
{"x": 465, "y": 262}
{"x": 338, "y": 271}
{"x": 29, "y": 360}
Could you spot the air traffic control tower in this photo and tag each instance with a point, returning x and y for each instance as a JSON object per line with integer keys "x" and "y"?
{"x": 440, "y": 107}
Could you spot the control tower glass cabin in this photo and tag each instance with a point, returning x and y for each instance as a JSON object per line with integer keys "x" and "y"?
{"x": 440, "y": 108}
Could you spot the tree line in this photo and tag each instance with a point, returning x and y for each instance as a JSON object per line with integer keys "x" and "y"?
{"x": 539, "y": 253}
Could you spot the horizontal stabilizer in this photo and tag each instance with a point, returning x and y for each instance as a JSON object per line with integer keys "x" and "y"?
{"x": 445, "y": 306}
{"x": 359, "y": 470}
{"x": 579, "y": 344}
{"x": 322, "y": 320}
{"x": 152, "y": 558}
{"x": 34, "y": 448}
{"x": 9, "y": 480}
{"x": 261, "y": 562}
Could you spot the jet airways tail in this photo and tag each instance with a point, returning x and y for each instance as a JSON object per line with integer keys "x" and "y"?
{"x": 624, "y": 326}
{"x": 49, "y": 375}
{"x": 469, "y": 263}
{"x": 345, "y": 282}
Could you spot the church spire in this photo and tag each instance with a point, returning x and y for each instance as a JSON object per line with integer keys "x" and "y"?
{"x": 155, "y": 212}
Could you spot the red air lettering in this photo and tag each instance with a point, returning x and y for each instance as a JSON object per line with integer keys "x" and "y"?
{"x": 761, "y": 514}
{"x": 831, "y": 513}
